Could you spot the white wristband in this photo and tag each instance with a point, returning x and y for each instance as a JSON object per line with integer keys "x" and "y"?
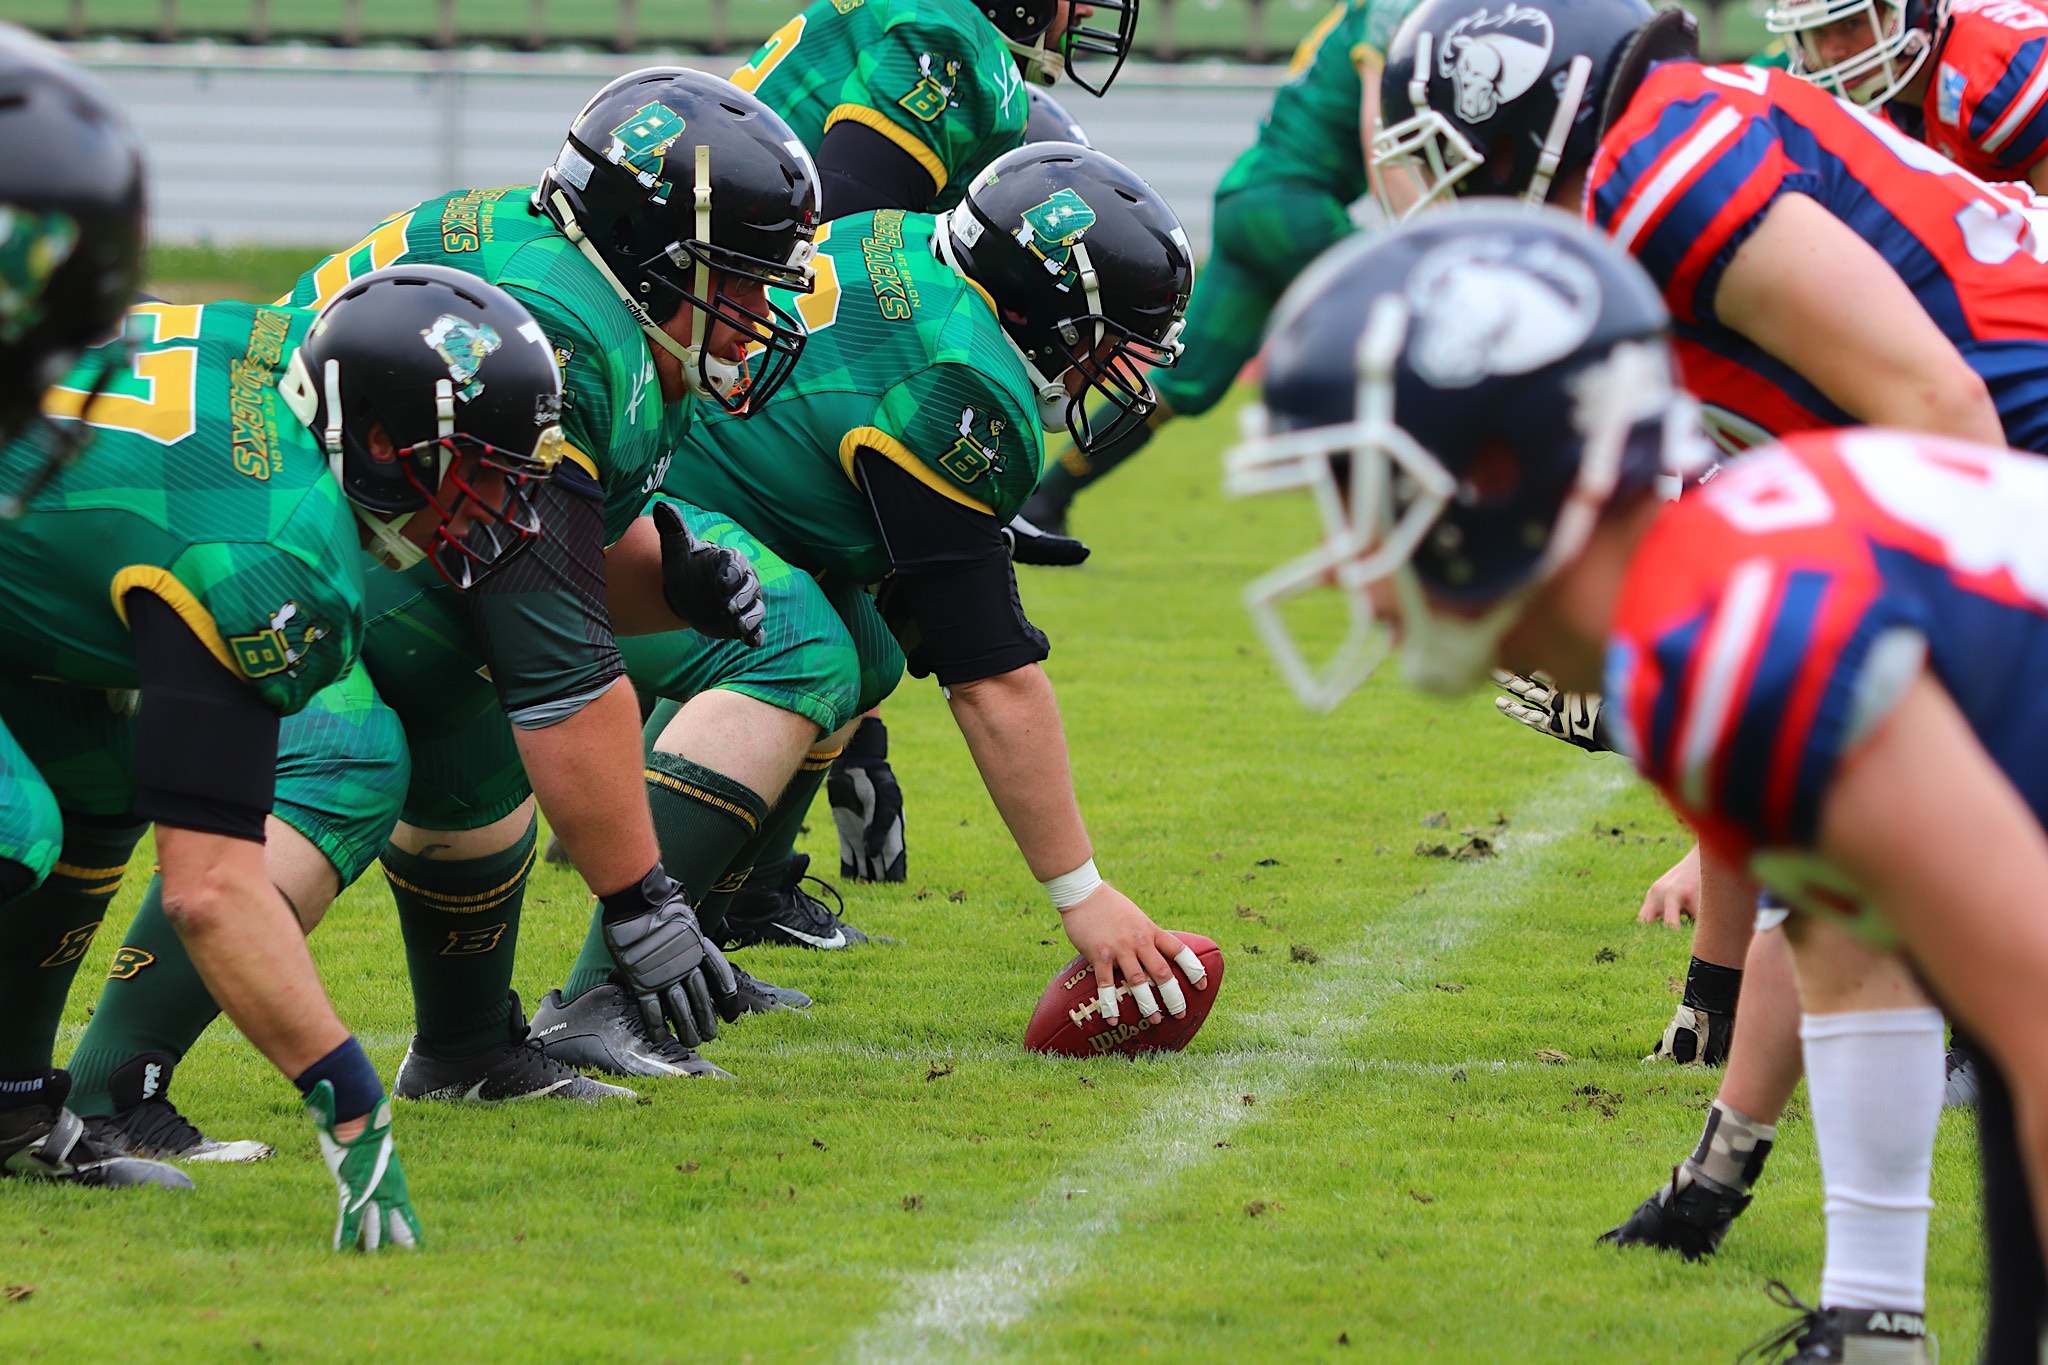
{"x": 1070, "y": 889}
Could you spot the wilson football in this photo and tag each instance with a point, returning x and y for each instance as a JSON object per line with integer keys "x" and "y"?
{"x": 1069, "y": 1022}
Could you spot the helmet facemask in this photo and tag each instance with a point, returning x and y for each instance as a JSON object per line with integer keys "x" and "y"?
{"x": 1381, "y": 496}
{"x": 1871, "y": 77}
{"x": 1045, "y": 63}
{"x": 433, "y": 473}
{"x": 1429, "y": 152}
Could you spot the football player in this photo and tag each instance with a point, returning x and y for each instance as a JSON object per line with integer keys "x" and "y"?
{"x": 188, "y": 566}
{"x": 1822, "y": 269}
{"x": 1962, "y": 76}
{"x": 644, "y": 254}
{"x": 1811, "y": 655}
{"x": 902, "y": 102}
{"x": 1279, "y": 205}
{"x": 893, "y": 459}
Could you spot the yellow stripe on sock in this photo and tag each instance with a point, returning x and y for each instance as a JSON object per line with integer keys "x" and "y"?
{"x": 695, "y": 793}
{"x": 466, "y": 905}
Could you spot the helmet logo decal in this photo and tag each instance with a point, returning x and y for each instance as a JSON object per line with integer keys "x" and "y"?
{"x": 639, "y": 144}
{"x": 33, "y": 246}
{"x": 1496, "y": 305}
{"x": 1491, "y": 58}
{"x": 1049, "y": 230}
{"x": 463, "y": 346}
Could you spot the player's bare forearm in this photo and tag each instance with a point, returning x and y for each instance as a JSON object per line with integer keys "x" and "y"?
{"x": 1012, "y": 726}
{"x": 1810, "y": 291}
{"x": 587, "y": 772}
{"x": 247, "y": 945}
{"x": 1727, "y": 911}
{"x": 1922, "y": 816}
{"x": 632, "y": 585}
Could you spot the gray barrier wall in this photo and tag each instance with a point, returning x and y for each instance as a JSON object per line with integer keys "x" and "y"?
{"x": 304, "y": 146}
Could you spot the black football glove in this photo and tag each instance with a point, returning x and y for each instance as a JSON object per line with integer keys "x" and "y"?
{"x": 1031, "y": 545}
{"x": 665, "y": 963}
{"x": 712, "y": 587}
{"x": 867, "y": 808}
{"x": 1538, "y": 703}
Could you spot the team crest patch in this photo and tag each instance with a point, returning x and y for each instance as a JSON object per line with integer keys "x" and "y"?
{"x": 463, "y": 346}
{"x": 1949, "y": 85}
{"x": 33, "y": 247}
{"x": 1492, "y": 57}
{"x": 1050, "y": 230}
{"x": 933, "y": 93}
{"x": 639, "y": 144}
{"x": 976, "y": 452}
{"x": 276, "y": 650}
{"x": 1494, "y": 305}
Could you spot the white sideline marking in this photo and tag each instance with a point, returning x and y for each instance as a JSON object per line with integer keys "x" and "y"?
{"x": 954, "y": 1312}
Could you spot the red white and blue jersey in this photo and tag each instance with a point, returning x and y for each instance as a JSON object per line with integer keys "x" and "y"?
{"x": 1773, "y": 616}
{"x": 1688, "y": 172}
{"x": 1986, "y": 106}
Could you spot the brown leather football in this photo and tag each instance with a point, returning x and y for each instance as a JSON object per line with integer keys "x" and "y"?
{"x": 1069, "y": 1022}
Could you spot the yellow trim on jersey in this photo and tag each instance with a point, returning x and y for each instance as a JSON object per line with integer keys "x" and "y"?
{"x": 1312, "y": 42}
{"x": 986, "y": 297}
{"x": 159, "y": 583}
{"x": 874, "y": 438}
{"x": 896, "y": 133}
{"x": 580, "y": 460}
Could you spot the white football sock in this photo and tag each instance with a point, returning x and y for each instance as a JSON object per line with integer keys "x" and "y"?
{"x": 1874, "y": 1079}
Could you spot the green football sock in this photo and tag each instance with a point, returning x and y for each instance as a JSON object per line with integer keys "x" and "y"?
{"x": 45, "y": 933}
{"x": 153, "y": 1001}
{"x": 461, "y": 927}
{"x": 701, "y": 819}
{"x": 763, "y": 861}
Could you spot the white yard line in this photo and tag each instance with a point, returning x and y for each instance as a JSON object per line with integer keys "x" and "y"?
{"x": 959, "y": 1310}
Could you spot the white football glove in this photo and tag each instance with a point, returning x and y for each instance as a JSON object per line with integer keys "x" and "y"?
{"x": 1537, "y": 702}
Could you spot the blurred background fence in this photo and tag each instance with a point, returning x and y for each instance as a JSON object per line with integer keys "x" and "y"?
{"x": 1171, "y": 30}
{"x": 294, "y": 123}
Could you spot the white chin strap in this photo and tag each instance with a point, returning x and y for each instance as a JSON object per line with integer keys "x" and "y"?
{"x": 1051, "y": 395}
{"x": 725, "y": 375}
{"x": 1041, "y": 64}
{"x": 296, "y": 387}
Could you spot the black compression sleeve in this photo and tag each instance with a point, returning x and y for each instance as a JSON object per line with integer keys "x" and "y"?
{"x": 541, "y": 621}
{"x": 206, "y": 742}
{"x": 860, "y": 169}
{"x": 952, "y": 600}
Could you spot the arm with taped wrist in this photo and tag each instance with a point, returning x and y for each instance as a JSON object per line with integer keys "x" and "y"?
{"x": 206, "y": 742}
{"x": 541, "y": 620}
{"x": 952, "y": 598}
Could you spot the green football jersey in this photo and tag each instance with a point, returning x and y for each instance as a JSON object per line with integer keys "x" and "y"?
{"x": 199, "y": 485}
{"x": 1311, "y": 133}
{"x": 613, "y": 417}
{"x": 932, "y": 76}
{"x": 905, "y": 358}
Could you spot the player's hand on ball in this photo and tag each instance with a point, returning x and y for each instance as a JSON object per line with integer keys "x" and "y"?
{"x": 1116, "y": 936}
{"x": 1537, "y": 702}
{"x": 713, "y": 587}
{"x": 376, "y": 1208}
{"x": 1674, "y": 896}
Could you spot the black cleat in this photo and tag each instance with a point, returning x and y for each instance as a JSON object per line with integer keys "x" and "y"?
{"x": 787, "y": 915}
{"x": 762, "y": 997}
{"x": 516, "y": 1069}
{"x": 601, "y": 1030}
{"x": 145, "y": 1122}
{"x": 1839, "y": 1336}
{"x": 46, "y": 1141}
{"x": 1689, "y": 1218}
{"x": 1959, "y": 1090}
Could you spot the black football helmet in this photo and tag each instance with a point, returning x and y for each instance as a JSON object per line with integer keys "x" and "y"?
{"x": 71, "y": 235}
{"x": 1024, "y": 25}
{"x": 1089, "y": 270}
{"x": 451, "y": 366}
{"x": 1463, "y": 396}
{"x": 1049, "y": 120}
{"x": 1501, "y": 97}
{"x": 1903, "y": 34}
{"x": 667, "y": 170}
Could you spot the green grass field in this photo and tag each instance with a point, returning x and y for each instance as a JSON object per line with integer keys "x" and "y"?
{"x": 1365, "y": 1156}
